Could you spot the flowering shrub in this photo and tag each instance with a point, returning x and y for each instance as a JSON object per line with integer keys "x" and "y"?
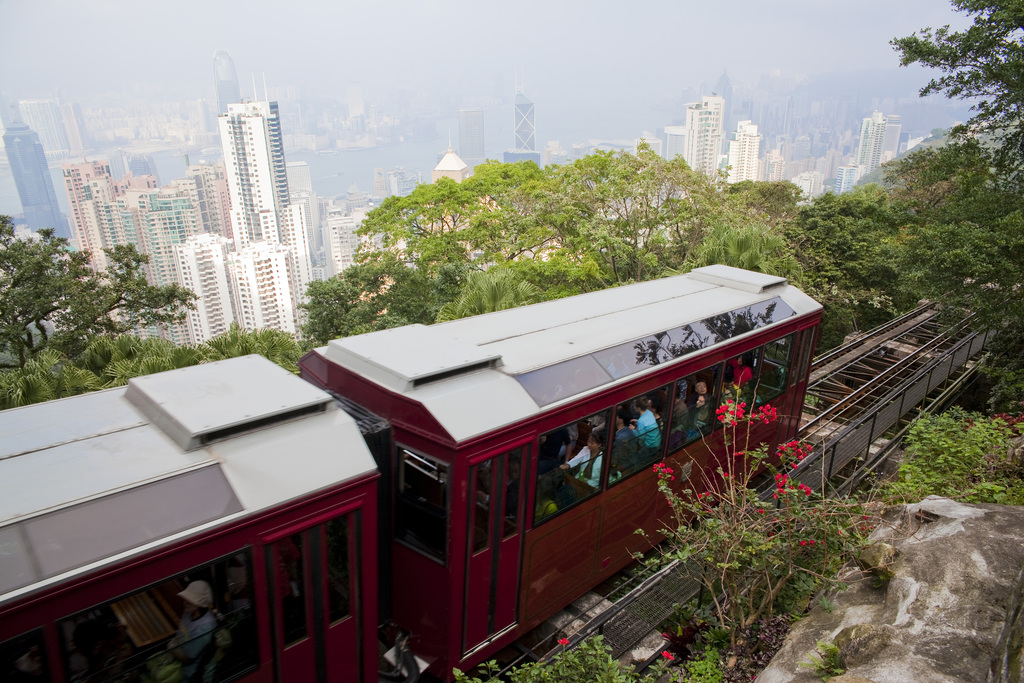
{"x": 751, "y": 549}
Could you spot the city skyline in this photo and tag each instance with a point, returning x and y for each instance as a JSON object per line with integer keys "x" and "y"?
{"x": 568, "y": 55}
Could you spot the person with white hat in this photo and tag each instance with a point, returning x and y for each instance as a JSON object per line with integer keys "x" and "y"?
{"x": 195, "y": 632}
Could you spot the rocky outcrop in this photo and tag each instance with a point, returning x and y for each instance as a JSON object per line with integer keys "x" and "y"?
{"x": 943, "y": 611}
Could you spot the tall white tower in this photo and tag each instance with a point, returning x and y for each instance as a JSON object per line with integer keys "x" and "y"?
{"x": 704, "y": 133}
{"x": 744, "y": 149}
{"x": 872, "y": 143}
{"x": 250, "y": 135}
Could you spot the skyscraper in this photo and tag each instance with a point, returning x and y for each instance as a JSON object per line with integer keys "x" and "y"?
{"x": 261, "y": 285}
{"x": 225, "y": 80}
{"x": 32, "y": 178}
{"x": 872, "y": 143}
{"x": 471, "y": 136}
{"x": 46, "y": 119}
{"x": 744, "y": 149}
{"x": 704, "y": 133}
{"x": 255, "y": 166}
{"x": 525, "y": 128}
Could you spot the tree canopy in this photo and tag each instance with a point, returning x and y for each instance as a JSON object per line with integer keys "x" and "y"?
{"x": 984, "y": 62}
{"x": 51, "y": 299}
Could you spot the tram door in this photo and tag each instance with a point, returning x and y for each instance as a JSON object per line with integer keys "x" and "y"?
{"x": 315, "y": 603}
{"x": 496, "y": 496}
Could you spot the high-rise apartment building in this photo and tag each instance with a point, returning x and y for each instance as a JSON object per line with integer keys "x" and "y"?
{"x": 256, "y": 171}
{"x": 891, "y": 142}
{"x": 165, "y": 217}
{"x": 225, "y": 81}
{"x": 846, "y": 177}
{"x": 32, "y": 178}
{"x": 261, "y": 286}
{"x": 471, "y": 136}
{"x": 340, "y": 238}
{"x": 744, "y": 150}
{"x": 675, "y": 142}
{"x": 46, "y": 119}
{"x": 523, "y": 123}
{"x": 704, "y": 133}
{"x": 810, "y": 183}
{"x": 212, "y": 197}
{"x": 872, "y": 142}
{"x": 97, "y": 221}
{"x": 201, "y": 266}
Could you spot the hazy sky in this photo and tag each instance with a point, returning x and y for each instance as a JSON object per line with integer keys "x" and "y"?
{"x": 595, "y": 48}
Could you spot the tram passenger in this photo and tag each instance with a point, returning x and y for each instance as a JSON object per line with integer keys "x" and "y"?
{"x": 586, "y": 464}
{"x": 195, "y": 632}
{"x": 647, "y": 431}
{"x": 701, "y": 408}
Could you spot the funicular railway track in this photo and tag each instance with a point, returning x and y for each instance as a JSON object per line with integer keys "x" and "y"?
{"x": 860, "y": 397}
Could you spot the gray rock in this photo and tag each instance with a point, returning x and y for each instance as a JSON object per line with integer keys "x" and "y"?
{"x": 850, "y": 678}
{"x": 941, "y": 616}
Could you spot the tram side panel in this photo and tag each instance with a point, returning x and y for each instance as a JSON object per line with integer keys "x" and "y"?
{"x": 285, "y": 619}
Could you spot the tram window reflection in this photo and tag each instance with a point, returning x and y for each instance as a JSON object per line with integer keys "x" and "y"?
{"x": 639, "y": 435}
{"x": 160, "y": 633}
{"x": 570, "y": 465}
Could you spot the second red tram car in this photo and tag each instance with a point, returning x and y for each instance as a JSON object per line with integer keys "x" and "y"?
{"x": 506, "y": 474}
{"x": 524, "y": 439}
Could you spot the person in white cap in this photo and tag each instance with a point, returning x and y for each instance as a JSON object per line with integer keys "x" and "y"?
{"x": 195, "y": 632}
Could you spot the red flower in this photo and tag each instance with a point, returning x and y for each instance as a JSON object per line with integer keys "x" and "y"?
{"x": 803, "y": 542}
{"x": 563, "y": 641}
{"x": 667, "y": 655}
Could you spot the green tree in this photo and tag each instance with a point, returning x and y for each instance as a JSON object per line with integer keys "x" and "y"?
{"x": 963, "y": 246}
{"x": 632, "y": 214}
{"x": 51, "y": 299}
{"x": 487, "y": 291}
{"x": 985, "y": 63}
{"x": 752, "y": 247}
{"x": 46, "y": 376}
{"x": 378, "y": 294}
{"x": 848, "y": 244}
{"x": 115, "y": 360}
{"x": 275, "y": 345}
{"x": 775, "y": 203}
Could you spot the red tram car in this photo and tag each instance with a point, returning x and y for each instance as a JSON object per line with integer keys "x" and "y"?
{"x": 234, "y": 484}
{"x": 524, "y": 439}
{"x": 509, "y": 478}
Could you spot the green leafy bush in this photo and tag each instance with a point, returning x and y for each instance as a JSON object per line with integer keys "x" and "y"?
{"x": 960, "y": 455}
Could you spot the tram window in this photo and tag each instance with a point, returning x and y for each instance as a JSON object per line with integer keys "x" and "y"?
{"x": 570, "y": 460}
{"x": 421, "y": 503}
{"x": 808, "y": 350}
{"x": 291, "y": 588}
{"x": 513, "y": 491}
{"x": 199, "y": 624}
{"x": 775, "y": 369}
{"x": 639, "y": 433}
{"x": 741, "y": 376}
{"x": 339, "y": 569}
{"x": 24, "y": 659}
{"x": 484, "y": 476}
{"x": 693, "y": 408}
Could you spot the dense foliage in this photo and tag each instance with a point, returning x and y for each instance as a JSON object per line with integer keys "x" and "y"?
{"x": 960, "y": 455}
{"x": 982, "y": 63}
{"x": 50, "y": 299}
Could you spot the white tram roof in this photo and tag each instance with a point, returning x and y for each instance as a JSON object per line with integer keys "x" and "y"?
{"x": 481, "y": 373}
{"x": 87, "y": 479}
